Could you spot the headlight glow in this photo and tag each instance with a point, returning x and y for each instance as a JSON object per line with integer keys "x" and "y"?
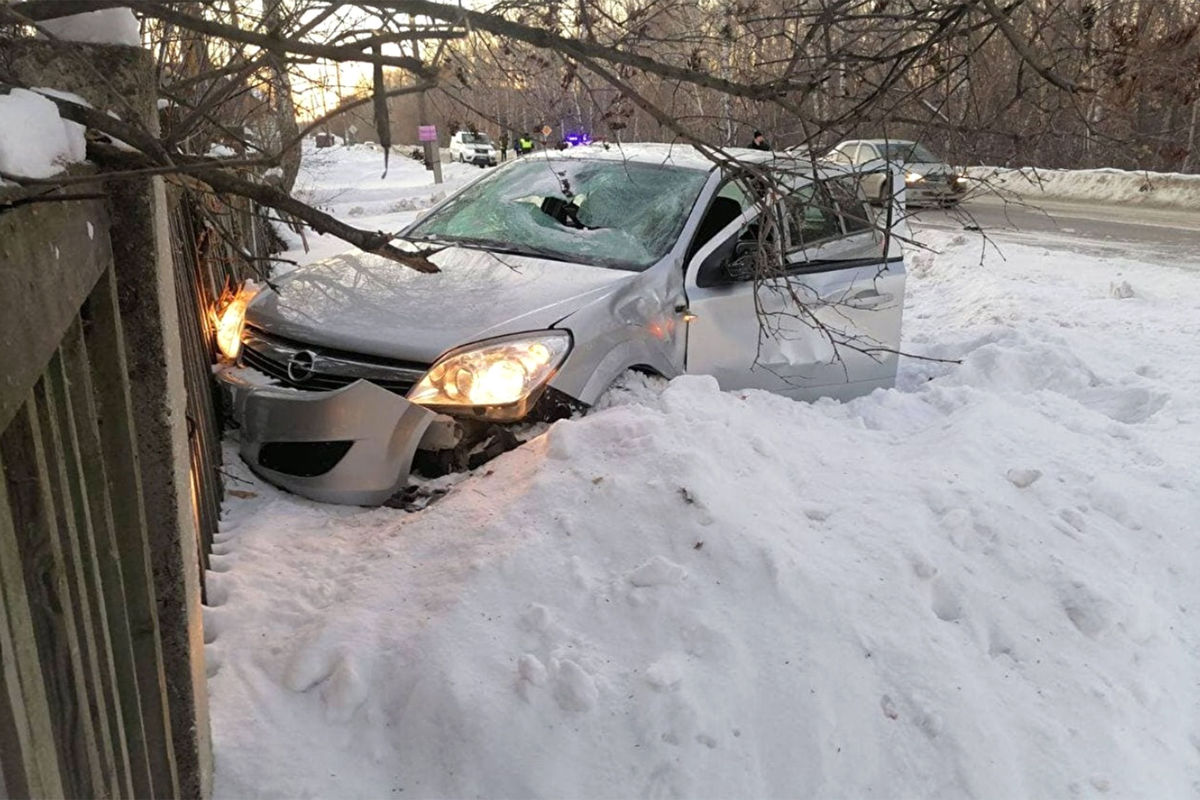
{"x": 913, "y": 177}
{"x": 505, "y": 372}
{"x": 961, "y": 179}
{"x": 229, "y": 320}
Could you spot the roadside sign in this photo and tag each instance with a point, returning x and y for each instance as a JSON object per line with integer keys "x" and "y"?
{"x": 353, "y": 129}
{"x": 546, "y": 130}
{"x": 427, "y": 133}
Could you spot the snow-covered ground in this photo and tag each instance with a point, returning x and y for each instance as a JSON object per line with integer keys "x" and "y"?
{"x": 982, "y": 583}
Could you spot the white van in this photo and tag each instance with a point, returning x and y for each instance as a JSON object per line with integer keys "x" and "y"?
{"x": 473, "y": 148}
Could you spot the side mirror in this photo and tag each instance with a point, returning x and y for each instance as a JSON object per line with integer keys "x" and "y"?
{"x": 732, "y": 262}
{"x": 741, "y": 266}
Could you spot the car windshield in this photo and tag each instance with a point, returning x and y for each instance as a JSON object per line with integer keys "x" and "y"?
{"x": 910, "y": 152}
{"x": 476, "y": 138}
{"x": 609, "y": 213}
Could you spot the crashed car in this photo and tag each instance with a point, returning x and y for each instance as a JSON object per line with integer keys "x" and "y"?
{"x": 928, "y": 179}
{"x": 556, "y": 276}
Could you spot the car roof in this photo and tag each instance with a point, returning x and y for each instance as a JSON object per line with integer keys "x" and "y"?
{"x": 676, "y": 155}
{"x": 876, "y": 141}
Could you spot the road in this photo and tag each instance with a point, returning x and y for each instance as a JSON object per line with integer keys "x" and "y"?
{"x": 1095, "y": 229}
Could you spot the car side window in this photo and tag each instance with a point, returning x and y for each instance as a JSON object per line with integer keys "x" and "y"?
{"x": 866, "y": 153}
{"x": 840, "y": 156}
{"x": 850, "y": 205}
{"x": 730, "y": 201}
{"x": 811, "y": 217}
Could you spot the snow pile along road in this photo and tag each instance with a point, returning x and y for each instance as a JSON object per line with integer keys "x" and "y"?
{"x": 980, "y": 584}
{"x": 1106, "y": 186}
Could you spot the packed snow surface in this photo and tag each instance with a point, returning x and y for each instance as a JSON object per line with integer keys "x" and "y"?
{"x": 35, "y": 142}
{"x": 980, "y": 584}
{"x": 107, "y": 26}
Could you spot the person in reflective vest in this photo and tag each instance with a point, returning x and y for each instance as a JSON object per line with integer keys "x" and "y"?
{"x": 524, "y": 145}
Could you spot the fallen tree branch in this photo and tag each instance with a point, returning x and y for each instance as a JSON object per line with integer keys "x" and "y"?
{"x": 223, "y": 181}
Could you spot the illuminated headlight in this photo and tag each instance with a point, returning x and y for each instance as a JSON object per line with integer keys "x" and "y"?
{"x": 499, "y": 379}
{"x": 229, "y": 321}
{"x": 961, "y": 180}
{"x": 913, "y": 177}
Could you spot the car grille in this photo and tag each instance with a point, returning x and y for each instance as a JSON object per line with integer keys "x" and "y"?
{"x": 320, "y": 368}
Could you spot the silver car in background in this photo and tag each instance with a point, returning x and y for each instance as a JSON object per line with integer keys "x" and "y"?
{"x": 556, "y": 275}
{"x": 928, "y": 179}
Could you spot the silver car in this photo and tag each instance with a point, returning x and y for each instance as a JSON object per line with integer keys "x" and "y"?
{"x": 558, "y": 274}
{"x": 928, "y": 179}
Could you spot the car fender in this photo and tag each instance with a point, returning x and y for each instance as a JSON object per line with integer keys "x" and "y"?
{"x": 635, "y": 326}
{"x": 630, "y": 354}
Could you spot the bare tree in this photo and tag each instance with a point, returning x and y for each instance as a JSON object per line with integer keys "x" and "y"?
{"x": 1067, "y": 82}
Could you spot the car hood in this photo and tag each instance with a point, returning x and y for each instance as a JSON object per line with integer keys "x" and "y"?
{"x": 368, "y": 304}
{"x": 929, "y": 168}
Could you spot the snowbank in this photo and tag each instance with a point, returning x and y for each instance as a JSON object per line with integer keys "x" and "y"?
{"x": 1111, "y": 186}
{"x": 980, "y": 584}
{"x": 35, "y": 142}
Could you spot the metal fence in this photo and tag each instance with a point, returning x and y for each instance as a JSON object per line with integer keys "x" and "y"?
{"x": 211, "y": 240}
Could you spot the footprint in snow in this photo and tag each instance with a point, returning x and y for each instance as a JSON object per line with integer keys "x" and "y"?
{"x": 575, "y": 689}
{"x": 658, "y": 571}
{"x": 345, "y": 691}
{"x": 531, "y": 669}
{"x": 1089, "y": 612}
{"x": 946, "y": 604}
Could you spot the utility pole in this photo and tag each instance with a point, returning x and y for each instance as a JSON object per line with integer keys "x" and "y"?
{"x": 433, "y": 159}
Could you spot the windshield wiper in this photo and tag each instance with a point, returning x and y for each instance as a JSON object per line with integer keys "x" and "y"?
{"x": 500, "y": 246}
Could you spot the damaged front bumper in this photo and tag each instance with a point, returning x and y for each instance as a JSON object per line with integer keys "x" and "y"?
{"x": 353, "y": 445}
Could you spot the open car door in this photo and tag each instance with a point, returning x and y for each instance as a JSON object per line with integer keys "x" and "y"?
{"x": 819, "y": 316}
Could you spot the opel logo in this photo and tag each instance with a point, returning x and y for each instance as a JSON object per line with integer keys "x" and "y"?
{"x": 300, "y": 367}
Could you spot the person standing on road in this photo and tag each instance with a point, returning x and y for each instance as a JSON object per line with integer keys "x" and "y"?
{"x": 759, "y": 142}
{"x": 504, "y": 145}
{"x": 524, "y": 144}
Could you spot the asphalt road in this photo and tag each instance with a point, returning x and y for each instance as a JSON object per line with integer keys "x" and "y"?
{"x": 1169, "y": 236}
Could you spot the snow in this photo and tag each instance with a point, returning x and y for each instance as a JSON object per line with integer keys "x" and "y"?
{"x": 1112, "y": 186}
{"x": 345, "y": 181}
{"x": 107, "y": 26}
{"x": 980, "y": 584}
{"x": 35, "y": 142}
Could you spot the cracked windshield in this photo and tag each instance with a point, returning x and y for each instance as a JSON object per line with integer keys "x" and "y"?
{"x": 609, "y": 213}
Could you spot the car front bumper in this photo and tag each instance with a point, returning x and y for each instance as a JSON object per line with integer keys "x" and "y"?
{"x": 931, "y": 192}
{"x": 353, "y": 445}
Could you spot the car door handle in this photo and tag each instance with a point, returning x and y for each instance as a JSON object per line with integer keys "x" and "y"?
{"x": 868, "y": 298}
